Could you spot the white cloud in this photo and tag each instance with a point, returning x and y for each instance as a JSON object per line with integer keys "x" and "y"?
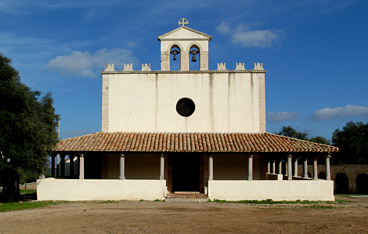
{"x": 245, "y": 37}
{"x": 86, "y": 64}
{"x": 131, "y": 45}
{"x": 340, "y": 112}
{"x": 224, "y": 28}
{"x": 258, "y": 38}
{"x": 281, "y": 116}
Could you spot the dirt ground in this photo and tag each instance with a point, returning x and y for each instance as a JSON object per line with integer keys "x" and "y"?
{"x": 208, "y": 217}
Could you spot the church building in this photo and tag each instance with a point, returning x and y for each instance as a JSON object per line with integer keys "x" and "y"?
{"x": 187, "y": 130}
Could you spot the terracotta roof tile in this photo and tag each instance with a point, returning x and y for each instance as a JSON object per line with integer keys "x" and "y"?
{"x": 189, "y": 142}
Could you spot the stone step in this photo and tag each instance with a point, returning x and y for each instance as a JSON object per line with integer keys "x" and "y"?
{"x": 184, "y": 200}
{"x": 186, "y": 196}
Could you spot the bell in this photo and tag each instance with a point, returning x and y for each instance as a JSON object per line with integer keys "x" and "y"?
{"x": 194, "y": 59}
{"x": 175, "y": 52}
{"x": 194, "y": 52}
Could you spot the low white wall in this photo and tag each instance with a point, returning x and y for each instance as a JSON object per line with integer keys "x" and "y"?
{"x": 76, "y": 190}
{"x": 313, "y": 190}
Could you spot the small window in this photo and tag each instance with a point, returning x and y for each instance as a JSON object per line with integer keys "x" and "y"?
{"x": 185, "y": 107}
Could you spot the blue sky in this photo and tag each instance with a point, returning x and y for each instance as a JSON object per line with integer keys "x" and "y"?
{"x": 315, "y": 51}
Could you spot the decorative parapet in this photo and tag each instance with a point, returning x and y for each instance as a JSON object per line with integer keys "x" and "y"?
{"x": 221, "y": 66}
{"x": 128, "y": 67}
{"x": 109, "y": 67}
{"x": 146, "y": 67}
{"x": 258, "y": 66}
{"x": 240, "y": 67}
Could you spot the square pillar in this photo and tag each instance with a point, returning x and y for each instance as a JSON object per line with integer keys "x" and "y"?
{"x": 210, "y": 167}
{"x": 122, "y": 167}
{"x": 81, "y": 166}
{"x": 250, "y": 167}
{"x": 290, "y": 167}
{"x": 162, "y": 167}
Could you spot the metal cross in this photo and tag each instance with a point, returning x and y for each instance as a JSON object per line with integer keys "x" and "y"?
{"x": 183, "y": 22}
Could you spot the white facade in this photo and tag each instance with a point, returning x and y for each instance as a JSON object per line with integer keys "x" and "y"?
{"x": 225, "y": 101}
{"x": 203, "y": 101}
{"x": 145, "y": 101}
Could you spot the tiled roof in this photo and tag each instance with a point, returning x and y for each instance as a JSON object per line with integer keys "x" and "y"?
{"x": 188, "y": 142}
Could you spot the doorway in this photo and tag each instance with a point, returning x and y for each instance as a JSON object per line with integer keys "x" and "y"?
{"x": 185, "y": 172}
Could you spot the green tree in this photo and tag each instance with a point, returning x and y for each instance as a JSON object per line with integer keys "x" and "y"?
{"x": 291, "y": 132}
{"x": 320, "y": 139}
{"x": 352, "y": 141}
{"x": 27, "y": 126}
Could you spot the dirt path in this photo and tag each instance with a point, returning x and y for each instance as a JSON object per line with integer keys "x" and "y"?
{"x": 164, "y": 217}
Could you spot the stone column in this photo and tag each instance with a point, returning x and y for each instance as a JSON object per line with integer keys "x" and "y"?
{"x": 269, "y": 166}
{"x": 57, "y": 165}
{"x": 280, "y": 166}
{"x": 274, "y": 166}
{"x": 328, "y": 170}
{"x": 315, "y": 170}
{"x": 122, "y": 167}
{"x": 305, "y": 168}
{"x": 162, "y": 167}
{"x": 296, "y": 167}
{"x": 210, "y": 167}
{"x": 81, "y": 166}
{"x": 62, "y": 158}
{"x": 71, "y": 166}
{"x": 250, "y": 167}
{"x": 290, "y": 167}
{"x": 53, "y": 166}
{"x": 286, "y": 169}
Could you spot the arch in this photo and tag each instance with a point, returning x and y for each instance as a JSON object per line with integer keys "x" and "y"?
{"x": 342, "y": 183}
{"x": 322, "y": 175}
{"x": 194, "y": 44}
{"x": 173, "y": 44}
{"x": 362, "y": 184}
{"x": 175, "y": 65}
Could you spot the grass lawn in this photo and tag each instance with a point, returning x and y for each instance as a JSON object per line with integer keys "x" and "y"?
{"x": 28, "y": 198}
{"x": 25, "y": 205}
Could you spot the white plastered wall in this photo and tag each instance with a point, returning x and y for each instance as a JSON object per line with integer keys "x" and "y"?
{"x": 312, "y": 190}
{"x": 146, "y": 102}
{"x": 79, "y": 190}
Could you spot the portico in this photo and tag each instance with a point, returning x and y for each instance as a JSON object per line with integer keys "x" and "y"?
{"x": 191, "y": 169}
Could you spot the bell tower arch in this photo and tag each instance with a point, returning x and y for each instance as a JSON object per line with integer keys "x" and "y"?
{"x": 186, "y": 39}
